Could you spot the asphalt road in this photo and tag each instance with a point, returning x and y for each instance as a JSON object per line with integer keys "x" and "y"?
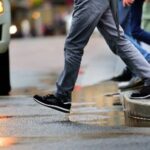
{"x": 25, "y": 125}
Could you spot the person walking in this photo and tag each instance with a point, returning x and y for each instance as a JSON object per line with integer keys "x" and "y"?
{"x": 87, "y": 15}
{"x": 128, "y": 20}
{"x": 127, "y": 75}
{"x": 137, "y": 32}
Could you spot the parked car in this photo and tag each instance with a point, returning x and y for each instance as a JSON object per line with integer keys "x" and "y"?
{"x": 5, "y": 21}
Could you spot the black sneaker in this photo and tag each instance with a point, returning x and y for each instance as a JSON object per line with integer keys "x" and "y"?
{"x": 126, "y": 75}
{"x": 144, "y": 93}
{"x": 60, "y": 103}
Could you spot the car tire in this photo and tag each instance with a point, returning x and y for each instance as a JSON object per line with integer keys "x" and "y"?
{"x": 5, "y": 86}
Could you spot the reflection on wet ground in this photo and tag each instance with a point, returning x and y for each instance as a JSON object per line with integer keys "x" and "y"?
{"x": 94, "y": 116}
{"x": 98, "y": 105}
{"x": 133, "y": 121}
{"x": 7, "y": 141}
{"x": 102, "y": 106}
{"x": 91, "y": 105}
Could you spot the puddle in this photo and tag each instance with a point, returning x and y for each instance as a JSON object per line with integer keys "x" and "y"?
{"x": 98, "y": 104}
{"x": 99, "y": 109}
{"x": 102, "y": 107}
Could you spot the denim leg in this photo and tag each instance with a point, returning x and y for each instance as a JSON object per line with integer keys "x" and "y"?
{"x": 86, "y": 16}
{"x": 123, "y": 47}
{"x": 125, "y": 17}
{"x": 125, "y": 22}
{"x": 136, "y": 16}
{"x": 144, "y": 52}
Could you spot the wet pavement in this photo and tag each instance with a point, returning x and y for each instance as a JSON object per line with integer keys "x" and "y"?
{"x": 95, "y": 121}
{"x": 98, "y": 108}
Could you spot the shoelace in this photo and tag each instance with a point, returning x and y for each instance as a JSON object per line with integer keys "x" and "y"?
{"x": 51, "y": 96}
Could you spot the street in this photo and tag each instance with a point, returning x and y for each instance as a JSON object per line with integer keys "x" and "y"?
{"x": 94, "y": 122}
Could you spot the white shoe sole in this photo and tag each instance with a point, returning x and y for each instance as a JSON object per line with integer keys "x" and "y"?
{"x": 53, "y": 106}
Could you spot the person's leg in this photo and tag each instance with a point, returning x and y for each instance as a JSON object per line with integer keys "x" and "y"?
{"x": 136, "y": 15}
{"x": 124, "y": 17}
{"x": 125, "y": 20}
{"x": 126, "y": 23}
{"x": 135, "y": 80}
{"x": 123, "y": 47}
{"x": 85, "y": 18}
{"x": 143, "y": 51}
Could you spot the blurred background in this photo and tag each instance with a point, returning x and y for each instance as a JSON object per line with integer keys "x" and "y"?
{"x": 33, "y": 58}
{"x": 28, "y": 28}
{"x": 39, "y": 17}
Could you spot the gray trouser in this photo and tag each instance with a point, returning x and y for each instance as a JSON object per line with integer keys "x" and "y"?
{"x": 87, "y": 15}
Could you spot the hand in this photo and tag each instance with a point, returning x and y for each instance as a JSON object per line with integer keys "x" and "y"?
{"x": 127, "y": 2}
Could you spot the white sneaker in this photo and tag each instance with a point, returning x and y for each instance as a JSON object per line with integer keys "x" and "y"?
{"x": 134, "y": 82}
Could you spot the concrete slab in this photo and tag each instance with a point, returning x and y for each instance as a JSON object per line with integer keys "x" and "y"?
{"x": 139, "y": 109}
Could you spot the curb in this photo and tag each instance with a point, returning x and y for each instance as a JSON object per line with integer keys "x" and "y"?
{"x": 138, "y": 109}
